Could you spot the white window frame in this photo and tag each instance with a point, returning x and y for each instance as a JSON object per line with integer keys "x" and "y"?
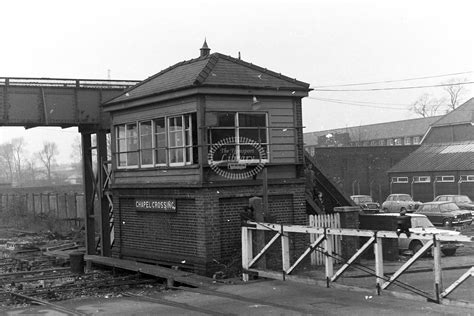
{"x": 467, "y": 178}
{"x": 421, "y": 179}
{"x": 399, "y": 179}
{"x": 416, "y": 140}
{"x": 445, "y": 178}
{"x": 127, "y": 151}
{"x": 407, "y": 141}
{"x": 237, "y": 129}
{"x": 390, "y": 142}
{"x": 398, "y": 142}
{"x": 186, "y": 146}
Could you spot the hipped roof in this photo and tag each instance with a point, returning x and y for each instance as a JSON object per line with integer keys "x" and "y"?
{"x": 214, "y": 70}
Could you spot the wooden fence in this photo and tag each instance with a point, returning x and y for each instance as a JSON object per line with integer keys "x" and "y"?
{"x": 64, "y": 206}
{"x": 324, "y": 221}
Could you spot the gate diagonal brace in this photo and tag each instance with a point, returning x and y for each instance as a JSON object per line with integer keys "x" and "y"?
{"x": 308, "y": 250}
{"x": 262, "y": 252}
{"x": 458, "y": 282}
{"x": 353, "y": 258}
{"x": 408, "y": 264}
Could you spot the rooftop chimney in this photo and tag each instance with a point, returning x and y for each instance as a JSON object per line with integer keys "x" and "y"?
{"x": 205, "y": 50}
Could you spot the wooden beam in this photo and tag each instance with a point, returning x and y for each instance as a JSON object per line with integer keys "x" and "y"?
{"x": 308, "y": 250}
{"x": 407, "y": 264}
{"x": 352, "y": 259}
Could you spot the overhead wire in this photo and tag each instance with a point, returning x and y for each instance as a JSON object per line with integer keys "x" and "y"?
{"x": 396, "y": 80}
{"x": 395, "y": 88}
{"x": 357, "y": 104}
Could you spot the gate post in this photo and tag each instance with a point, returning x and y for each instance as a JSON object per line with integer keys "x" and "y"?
{"x": 378, "y": 264}
{"x": 247, "y": 253}
{"x": 438, "y": 285}
{"x": 328, "y": 261}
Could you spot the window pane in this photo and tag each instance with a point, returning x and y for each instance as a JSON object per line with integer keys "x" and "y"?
{"x": 122, "y": 160}
{"x": 160, "y": 156}
{"x": 249, "y": 152}
{"x": 121, "y": 131}
{"x": 176, "y": 155}
{"x": 176, "y": 139}
{"x": 220, "y": 134}
{"x": 131, "y": 130}
{"x": 257, "y": 135}
{"x": 160, "y": 125}
{"x": 252, "y": 120}
{"x": 122, "y": 145}
{"x": 225, "y": 119}
{"x": 132, "y": 159}
{"x": 147, "y": 157}
{"x": 175, "y": 123}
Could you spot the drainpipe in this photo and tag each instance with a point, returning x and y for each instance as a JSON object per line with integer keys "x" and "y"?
{"x": 411, "y": 188}
{"x": 434, "y": 187}
{"x": 459, "y": 185}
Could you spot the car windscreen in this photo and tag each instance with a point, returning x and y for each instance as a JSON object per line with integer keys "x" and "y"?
{"x": 420, "y": 222}
{"x": 448, "y": 207}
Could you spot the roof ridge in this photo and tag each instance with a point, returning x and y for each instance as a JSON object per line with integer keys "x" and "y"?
{"x": 467, "y": 103}
{"x": 184, "y": 62}
{"x": 213, "y": 58}
{"x": 263, "y": 70}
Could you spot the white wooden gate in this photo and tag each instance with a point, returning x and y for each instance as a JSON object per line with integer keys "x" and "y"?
{"x": 325, "y": 221}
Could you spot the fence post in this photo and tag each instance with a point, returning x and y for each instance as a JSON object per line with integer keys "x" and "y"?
{"x": 246, "y": 251}
{"x": 378, "y": 251}
{"x": 328, "y": 260}
{"x": 285, "y": 251}
{"x": 438, "y": 285}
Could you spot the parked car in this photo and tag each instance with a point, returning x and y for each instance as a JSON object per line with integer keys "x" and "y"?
{"x": 366, "y": 203}
{"x": 420, "y": 224}
{"x": 463, "y": 201}
{"x": 445, "y": 214}
{"x": 396, "y": 203}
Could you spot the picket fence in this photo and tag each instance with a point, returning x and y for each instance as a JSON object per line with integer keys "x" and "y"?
{"x": 325, "y": 221}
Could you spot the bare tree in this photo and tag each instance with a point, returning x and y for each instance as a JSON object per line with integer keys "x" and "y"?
{"x": 6, "y": 160}
{"x": 426, "y": 105}
{"x": 47, "y": 156}
{"x": 18, "y": 148}
{"x": 456, "y": 90}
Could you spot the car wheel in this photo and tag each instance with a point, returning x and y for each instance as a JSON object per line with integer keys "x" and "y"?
{"x": 449, "y": 252}
{"x": 415, "y": 246}
{"x": 446, "y": 223}
{"x": 403, "y": 209}
{"x": 384, "y": 210}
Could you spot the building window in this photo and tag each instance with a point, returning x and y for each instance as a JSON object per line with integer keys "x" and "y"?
{"x": 398, "y": 141}
{"x": 164, "y": 141}
{"x": 399, "y": 179}
{"x": 313, "y": 151}
{"x": 466, "y": 178}
{"x": 382, "y": 142}
{"x": 389, "y": 142}
{"x": 416, "y": 140}
{"x": 421, "y": 179}
{"x": 373, "y": 143}
{"x": 407, "y": 140}
{"x": 444, "y": 178}
{"x": 244, "y": 136}
{"x": 127, "y": 145}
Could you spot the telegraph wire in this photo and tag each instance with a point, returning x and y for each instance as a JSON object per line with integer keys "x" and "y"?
{"x": 366, "y": 102}
{"x": 361, "y": 105}
{"x": 396, "y": 88}
{"x": 390, "y": 81}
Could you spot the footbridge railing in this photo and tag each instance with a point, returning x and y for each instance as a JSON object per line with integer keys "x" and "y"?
{"x": 324, "y": 243}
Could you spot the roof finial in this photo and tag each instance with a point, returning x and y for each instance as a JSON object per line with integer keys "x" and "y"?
{"x": 205, "y": 50}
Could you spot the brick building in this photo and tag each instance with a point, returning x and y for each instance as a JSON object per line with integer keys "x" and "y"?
{"x": 444, "y": 164}
{"x": 190, "y": 146}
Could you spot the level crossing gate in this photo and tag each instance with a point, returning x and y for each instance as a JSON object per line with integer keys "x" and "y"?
{"x": 324, "y": 244}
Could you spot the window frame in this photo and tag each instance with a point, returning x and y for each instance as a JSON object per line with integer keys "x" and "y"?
{"x": 189, "y": 141}
{"x": 237, "y": 128}
{"x": 441, "y": 179}
{"x": 399, "y": 179}
{"x": 468, "y": 178}
{"x": 421, "y": 179}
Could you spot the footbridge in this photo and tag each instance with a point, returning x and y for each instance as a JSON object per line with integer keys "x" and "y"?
{"x": 32, "y": 102}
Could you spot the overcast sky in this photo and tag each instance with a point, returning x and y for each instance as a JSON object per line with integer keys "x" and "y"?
{"x": 319, "y": 42}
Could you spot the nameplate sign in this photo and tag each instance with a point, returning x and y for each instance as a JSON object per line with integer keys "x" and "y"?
{"x": 159, "y": 205}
